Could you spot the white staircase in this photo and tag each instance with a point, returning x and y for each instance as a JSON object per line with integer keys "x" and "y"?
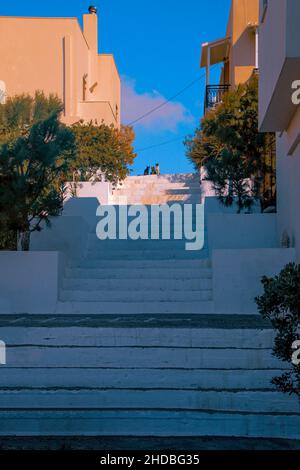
{"x": 143, "y": 277}
{"x": 161, "y": 189}
{"x": 136, "y": 350}
{"x": 142, "y": 376}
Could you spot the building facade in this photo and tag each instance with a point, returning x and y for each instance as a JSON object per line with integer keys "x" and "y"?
{"x": 237, "y": 51}
{"x": 56, "y": 56}
{"x": 279, "y": 31}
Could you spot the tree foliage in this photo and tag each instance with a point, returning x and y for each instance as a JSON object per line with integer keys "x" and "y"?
{"x": 22, "y": 111}
{"x": 35, "y": 153}
{"x": 280, "y": 304}
{"x": 38, "y": 154}
{"x": 102, "y": 150}
{"x": 230, "y": 148}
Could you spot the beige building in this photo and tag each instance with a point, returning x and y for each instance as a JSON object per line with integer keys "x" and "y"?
{"x": 279, "y": 31}
{"x": 237, "y": 51}
{"x": 55, "y": 55}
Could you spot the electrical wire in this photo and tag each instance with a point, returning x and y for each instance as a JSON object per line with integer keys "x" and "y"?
{"x": 148, "y": 113}
{"x": 161, "y": 144}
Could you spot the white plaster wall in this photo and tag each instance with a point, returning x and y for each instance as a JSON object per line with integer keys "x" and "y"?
{"x": 237, "y": 276}
{"x": 29, "y": 281}
{"x": 68, "y": 234}
{"x": 85, "y": 207}
{"x": 288, "y": 178}
{"x": 212, "y": 205}
{"x": 100, "y": 190}
{"x": 272, "y": 37}
{"x": 278, "y": 32}
{"x": 237, "y": 231}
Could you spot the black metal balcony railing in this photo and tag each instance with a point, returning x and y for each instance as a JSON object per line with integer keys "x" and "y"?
{"x": 214, "y": 95}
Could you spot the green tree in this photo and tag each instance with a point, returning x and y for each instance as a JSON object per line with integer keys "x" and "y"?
{"x": 35, "y": 154}
{"x": 102, "y": 150}
{"x": 230, "y": 148}
{"x": 229, "y": 173}
{"x": 22, "y": 111}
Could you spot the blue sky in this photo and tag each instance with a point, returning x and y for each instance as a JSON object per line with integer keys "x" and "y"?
{"x": 157, "y": 49}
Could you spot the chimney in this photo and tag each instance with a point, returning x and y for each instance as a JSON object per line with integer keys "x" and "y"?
{"x": 90, "y": 28}
{"x": 93, "y": 10}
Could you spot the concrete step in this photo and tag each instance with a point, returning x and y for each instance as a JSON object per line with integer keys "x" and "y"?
{"x": 148, "y": 423}
{"x": 150, "y": 295}
{"x": 161, "y": 181}
{"x": 173, "y": 178}
{"x": 144, "y": 264}
{"x": 74, "y": 380}
{"x": 157, "y": 189}
{"x": 137, "y": 285}
{"x": 162, "y": 379}
{"x": 200, "y": 400}
{"x": 151, "y": 237}
{"x": 146, "y": 336}
{"x": 156, "y": 200}
{"x": 137, "y": 254}
{"x": 154, "y": 191}
{"x": 136, "y": 273}
{"x": 96, "y": 245}
{"x": 158, "y": 186}
{"x": 142, "y": 357}
{"x": 119, "y": 308}
{"x": 124, "y": 207}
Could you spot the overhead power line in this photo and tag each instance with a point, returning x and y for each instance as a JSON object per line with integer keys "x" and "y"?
{"x": 161, "y": 144}
{"x": 148, "y": 113}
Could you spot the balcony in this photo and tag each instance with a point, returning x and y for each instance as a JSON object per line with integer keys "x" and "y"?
{"x": 214, "y": 95}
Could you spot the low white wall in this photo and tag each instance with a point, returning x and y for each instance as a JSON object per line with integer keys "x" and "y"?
{"x": 29, "y": 281}
{"x": 213, "y": 205}
{"x": 100, "y": 190}
{"x": 241, "y": 231}
{"x": 237, "y": 276}
{"x": 67, "y": 234}
{"x": 85, "y": 207}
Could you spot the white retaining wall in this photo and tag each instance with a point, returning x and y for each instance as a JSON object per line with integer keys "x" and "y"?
{"x": 238, "y": 231}
{"x": 100, "y": 190}
{"x": 85, "y": 207}
{"x": 68, "y": 234}
{"x": 29, "y": 281}
{"x": 237, "y": 276}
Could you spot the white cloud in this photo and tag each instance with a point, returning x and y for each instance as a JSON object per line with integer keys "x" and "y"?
{"x": 167, "y": 118}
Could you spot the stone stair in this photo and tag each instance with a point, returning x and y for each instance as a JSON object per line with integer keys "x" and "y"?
{"x": 161, "y": 189}
{"x": 142, "y": 277}
{"x": 135, "y": 348}
{"x": 142, "y": 376}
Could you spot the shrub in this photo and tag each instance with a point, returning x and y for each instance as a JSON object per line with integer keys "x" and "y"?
{"x": 280, "y": 304}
